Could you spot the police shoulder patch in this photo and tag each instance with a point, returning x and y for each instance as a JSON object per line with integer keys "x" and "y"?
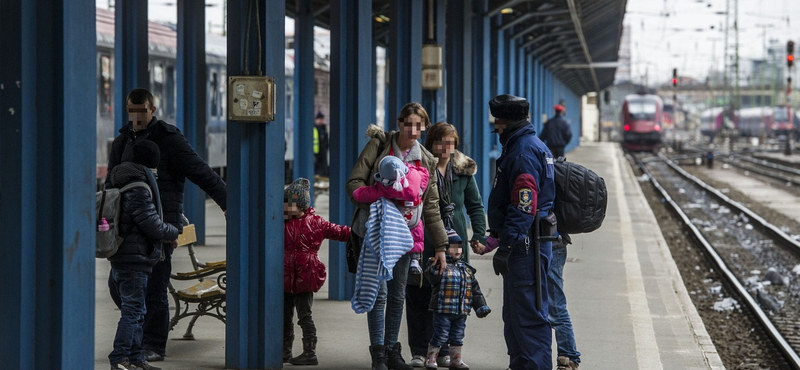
{"x": 525, "y": 200}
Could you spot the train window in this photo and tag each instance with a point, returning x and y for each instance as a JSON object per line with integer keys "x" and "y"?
{"x": 640, "y": 109}
{"x": 214, "y": 95}
{"x": 106, "y": 86}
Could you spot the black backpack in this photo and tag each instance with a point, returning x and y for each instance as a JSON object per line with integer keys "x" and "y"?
{"x": 581, "y": 198}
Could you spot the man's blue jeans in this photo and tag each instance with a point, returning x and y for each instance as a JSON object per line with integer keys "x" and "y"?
{"x": 129, "y": 287}
{"x": 448, "y": 327}
{"x": 387, "y": 313}
{"x": 557, "y": 310}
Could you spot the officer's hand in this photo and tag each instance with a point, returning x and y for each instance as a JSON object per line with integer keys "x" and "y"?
{"x": 500, "y": 260}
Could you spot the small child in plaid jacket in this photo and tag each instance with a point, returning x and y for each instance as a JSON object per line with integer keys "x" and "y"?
{"x": 454, "y": 293}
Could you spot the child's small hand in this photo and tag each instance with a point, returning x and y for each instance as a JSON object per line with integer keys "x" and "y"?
{"x": 483, "y": 312}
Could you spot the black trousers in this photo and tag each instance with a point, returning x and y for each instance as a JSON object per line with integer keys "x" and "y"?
{"x": 302, "y": 302}
{"x": 420, "y": 321}
{"x": 558, "y": 151}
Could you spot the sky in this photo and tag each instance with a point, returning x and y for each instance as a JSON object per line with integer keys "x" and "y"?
{"x": 667, "y": 34}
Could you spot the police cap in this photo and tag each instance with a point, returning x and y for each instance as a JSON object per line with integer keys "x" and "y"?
{"x": 509, "y": 107}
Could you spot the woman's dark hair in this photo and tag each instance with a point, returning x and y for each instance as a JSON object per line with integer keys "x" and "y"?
{"x": 414, "y": 108}
{"x": 438, "y": 132}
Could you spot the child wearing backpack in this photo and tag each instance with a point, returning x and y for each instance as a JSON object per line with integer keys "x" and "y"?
{"x": 142, "y": 230}
{"x": 454, "y": 292}
{"x": 404, "y": 185}
{"x": 303, "y": 272}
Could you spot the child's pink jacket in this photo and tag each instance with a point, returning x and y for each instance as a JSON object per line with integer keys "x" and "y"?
{"x": 417, "y": 183}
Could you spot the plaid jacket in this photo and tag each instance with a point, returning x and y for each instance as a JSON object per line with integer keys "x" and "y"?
{"x": 456, "y": 290}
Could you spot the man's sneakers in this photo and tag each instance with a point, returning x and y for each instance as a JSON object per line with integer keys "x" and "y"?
{"x": 417, "y": 361}
{"x": 124, "y": 365}
{"x": 151, "y": 356}
{"x": 144, "y": 365}
{"x": 564, "y": 363}
{"x": 443, "y": 361}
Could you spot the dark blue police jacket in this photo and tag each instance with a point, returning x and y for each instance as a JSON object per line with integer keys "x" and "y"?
{"x": 524, "y": 182}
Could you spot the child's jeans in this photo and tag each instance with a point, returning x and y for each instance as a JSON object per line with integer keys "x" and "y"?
{"x": 130, "y": 287}
{"x": 448, "y": 328}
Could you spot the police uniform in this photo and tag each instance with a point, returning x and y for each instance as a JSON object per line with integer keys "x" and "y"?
{"x": 524, "y": 183}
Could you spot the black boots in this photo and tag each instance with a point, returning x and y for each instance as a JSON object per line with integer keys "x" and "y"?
{"x": 394, "y": 358}
{"x": 309, "y": 355}
{"x": 378, "y": 357}
{"x": 287, "y": 348}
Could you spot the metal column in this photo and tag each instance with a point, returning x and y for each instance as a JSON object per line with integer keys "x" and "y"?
{"x": 459, "y": 68}
{"x": 405, "y": 56}
{"x": 47, "y": 183}
{"x": 253, "y": 337}
{"x": 481, "y": 85}
{"x": 434, "y": 100}
{"x": 304, "y": 91}
{"x": 513, "y": 77}
{"x": 351, "y": 54}
{"x": 501, "y": 58}
{"x": 130, "y": 54}
{"x": 191, "y": 117}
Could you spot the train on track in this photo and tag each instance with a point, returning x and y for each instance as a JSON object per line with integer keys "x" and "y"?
{"x": 642, "y": 122}
{"x": 162, "y": 68}
{"x": 756, "y": 121}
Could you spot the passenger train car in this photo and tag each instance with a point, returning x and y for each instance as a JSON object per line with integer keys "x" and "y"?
{"x": 162, "y": 48}
{"x": 642, "y": 121}
{"x": 756, "y": 121}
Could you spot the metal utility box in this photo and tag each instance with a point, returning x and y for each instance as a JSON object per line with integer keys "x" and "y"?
{"x": 431, "y": 67}
{"x": 251, "y": 98}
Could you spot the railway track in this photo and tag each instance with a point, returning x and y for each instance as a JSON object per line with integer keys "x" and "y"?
{"x": 754, "y": 257}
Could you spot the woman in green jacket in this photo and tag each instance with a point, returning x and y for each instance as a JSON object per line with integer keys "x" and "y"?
{"x": 458, "y": 192}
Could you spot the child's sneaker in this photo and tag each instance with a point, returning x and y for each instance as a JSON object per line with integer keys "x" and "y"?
{"x": 415, "y": 269}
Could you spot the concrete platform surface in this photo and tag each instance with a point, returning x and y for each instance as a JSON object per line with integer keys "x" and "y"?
{"x": 629, "y": 307}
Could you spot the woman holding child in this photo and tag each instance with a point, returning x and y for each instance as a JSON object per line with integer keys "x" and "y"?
{"x": 386, "y": 314}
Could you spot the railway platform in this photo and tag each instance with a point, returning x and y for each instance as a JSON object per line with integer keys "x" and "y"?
{"x": 628, "y": 304}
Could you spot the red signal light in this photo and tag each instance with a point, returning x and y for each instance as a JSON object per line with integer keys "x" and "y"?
{"x": 674, "y": 82}
{"x": 657, "y": 128}
{"x": 626, "y": 127}
{"x": 790, "y": 58}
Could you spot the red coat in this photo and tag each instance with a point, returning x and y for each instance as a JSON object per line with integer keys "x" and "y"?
{"x": 303, "y": 272}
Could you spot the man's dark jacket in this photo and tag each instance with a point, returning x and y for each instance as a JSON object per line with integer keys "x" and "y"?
{"x": 179, "y": 161}
{"x": 556, "y": 132}
{"x": 140, "y": 225}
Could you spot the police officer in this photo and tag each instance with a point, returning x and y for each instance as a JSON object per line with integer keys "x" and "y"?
{"x": 524, "y": 185}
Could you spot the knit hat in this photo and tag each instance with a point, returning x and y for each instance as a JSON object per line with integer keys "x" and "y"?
{"x": 390, "y": 170}
{"x": 453, "y": 237}
{"x": 509, "y": 107}
{"x": 320, "y": 115}
{"x": 146, "y": 153}
{"x": 298, "y": 192}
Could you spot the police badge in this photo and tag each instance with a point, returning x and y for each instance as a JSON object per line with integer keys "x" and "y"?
{"x": 525, "y": 200}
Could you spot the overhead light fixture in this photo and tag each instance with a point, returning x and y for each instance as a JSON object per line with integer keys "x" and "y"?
{"x": 507, "y": 11}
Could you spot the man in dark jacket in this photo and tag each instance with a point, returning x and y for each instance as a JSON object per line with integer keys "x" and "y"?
{"x": 178, "y": 162}
{"x": 320, "y": 146}
{"x": 556, "y": 133}
{"x": 143, "y": 230}
{"x": 523, "y": 185}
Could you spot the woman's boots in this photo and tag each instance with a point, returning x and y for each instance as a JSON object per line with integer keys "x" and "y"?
{"x": 378, "y": 357}
{"x": 287, "y": 348}
{"x": 394, "y": 359}
{"x": 309, "y": 355}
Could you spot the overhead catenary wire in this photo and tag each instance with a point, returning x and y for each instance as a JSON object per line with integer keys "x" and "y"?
{"x": 258, "y": 32}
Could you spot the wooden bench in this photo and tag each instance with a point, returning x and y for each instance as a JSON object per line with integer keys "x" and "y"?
{"x": 207, "y": 296}
{"x": 322, "y": 185}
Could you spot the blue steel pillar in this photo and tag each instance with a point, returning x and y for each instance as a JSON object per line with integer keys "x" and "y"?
{"x": 501, "y": 57}
{"x": 481, "y": 85}
{"x": 434, "y": 100}
{"x": 522, "y": 73}
{"x": 459, "y": 69}
{"x": 513, "y": 78}
{"x": 351, "y": 54}
{"x": 529, "y": 83}
{"x": 405, "y": 56}
{"x": 47, "y": 183}
{"x": 304, "y": 91}
{"x": 130, "y": 54}
{"x": 191, "y": 117}
{"x": 253, "y": 337}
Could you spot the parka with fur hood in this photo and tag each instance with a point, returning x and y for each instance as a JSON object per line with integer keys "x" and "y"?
{"x": 367, "y": 165}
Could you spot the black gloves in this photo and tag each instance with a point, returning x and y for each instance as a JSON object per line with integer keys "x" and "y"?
{"x": 500, "y": 260}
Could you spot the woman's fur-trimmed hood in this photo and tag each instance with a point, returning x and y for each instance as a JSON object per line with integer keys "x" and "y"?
{"x": 463, "y": 165}
{"x": 376, "y": 132}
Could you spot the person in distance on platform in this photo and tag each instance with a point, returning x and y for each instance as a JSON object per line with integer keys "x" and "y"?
{"x": 303, "y": 272}
{"x": 556, "y": 133}
{"x": 320, "y": 146}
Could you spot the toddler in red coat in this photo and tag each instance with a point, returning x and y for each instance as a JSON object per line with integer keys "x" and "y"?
{"x": 404, "y": 184}
{"x": 303, "y": 272}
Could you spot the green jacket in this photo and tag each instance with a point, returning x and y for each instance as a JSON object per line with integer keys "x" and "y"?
{"x": 465, "y": 196}
{"x": 367, "y": 165}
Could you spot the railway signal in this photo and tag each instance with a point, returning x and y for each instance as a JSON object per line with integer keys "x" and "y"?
{"x": 674, "y": 77}
{"x": 790, "y": 53}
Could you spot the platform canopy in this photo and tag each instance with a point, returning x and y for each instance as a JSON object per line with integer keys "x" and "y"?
{"x": 577, "y": 40}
